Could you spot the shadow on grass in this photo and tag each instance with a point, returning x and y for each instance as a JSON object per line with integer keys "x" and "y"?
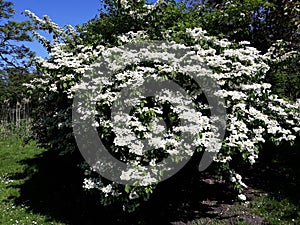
{"x": 277, "y": 172}
{"x": 54, "y": 188}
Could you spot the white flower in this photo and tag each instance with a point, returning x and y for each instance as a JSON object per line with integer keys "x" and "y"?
{"x": 233, "y": 179}
{"x": 238, "y": 177}
{"x": 253, "y": 114}
{"x": 133, "y": 195}
{"x": 251, "y": 159}
{"x": 242, "y": 197}
{"x": 296, "y": 129}
{"x": 88, "y": 183}
{"x": 107, "y": 189}
{"x": 147, "y": 180}
{"x": 125, "y": 175}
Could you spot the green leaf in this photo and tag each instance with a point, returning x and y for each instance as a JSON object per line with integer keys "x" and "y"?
{"x": 127, "y": 188}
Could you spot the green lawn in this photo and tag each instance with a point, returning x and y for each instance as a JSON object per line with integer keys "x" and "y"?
{"x": 27, "y": 197}
{"x": 12, "y": 153}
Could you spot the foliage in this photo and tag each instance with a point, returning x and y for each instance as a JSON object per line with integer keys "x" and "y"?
{"x": 121, "y": 17}
{"x": 285, "y": 71}
{"x": 229, "y": 19}
{"x": 12, "y": 88}
{"x": 262, "y": 23}
{"x": 12, "y": 32}
{"x": 15, "y": 63}
{"x": 254, "y": 115}
{"x": 21, "y": 130}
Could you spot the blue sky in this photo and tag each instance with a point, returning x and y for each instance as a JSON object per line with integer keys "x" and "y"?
{"x": 62, "y": 12}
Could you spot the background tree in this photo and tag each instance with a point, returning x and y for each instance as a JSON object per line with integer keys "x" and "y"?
{"x": 117, "y": 19}
{"x": 15, "y": 63}
{"x": 262, "y": 23}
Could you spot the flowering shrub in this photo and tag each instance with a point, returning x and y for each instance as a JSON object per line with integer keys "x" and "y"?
{"x": 253, "y": 114}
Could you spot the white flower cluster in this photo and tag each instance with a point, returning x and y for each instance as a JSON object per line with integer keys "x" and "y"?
{"x": 253, "y": 114}
{"x": 132, "y": 36}
{"x": 139, "y": 175}
{"x": 235, "y": 177}
{"x": 237, "y": 180}
{"x": 90, "y": 183}
{"x": 137, "y": 8}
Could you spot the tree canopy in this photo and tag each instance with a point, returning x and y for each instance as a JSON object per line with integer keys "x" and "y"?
{"x": 15, "y": 63}
{"x": 262, "y": 23}
{"x": 254, "y": 115}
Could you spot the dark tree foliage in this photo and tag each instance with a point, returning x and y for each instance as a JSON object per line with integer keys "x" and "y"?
{"x": 12, "y": 54}
{"x": 262, "y": 23}
{"x": 113, "y": 21}
{"x": 259, "y": 21}
{"x": 15, "y": 63}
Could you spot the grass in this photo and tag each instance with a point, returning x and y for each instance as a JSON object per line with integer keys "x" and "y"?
{"x": 12, "y": 153}
{"x": 10, "y": 129}
{"x": 33, "y": 193}
{"x": 276, "y": 211}
{"x": 262, "y": 209}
